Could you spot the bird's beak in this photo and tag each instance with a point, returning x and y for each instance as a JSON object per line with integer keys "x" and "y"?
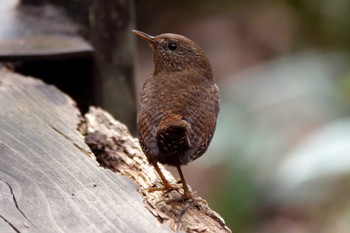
{"x": 145, "y": 36}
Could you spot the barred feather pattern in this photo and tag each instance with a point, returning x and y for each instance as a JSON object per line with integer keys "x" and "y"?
{"x": 176, "y": 116}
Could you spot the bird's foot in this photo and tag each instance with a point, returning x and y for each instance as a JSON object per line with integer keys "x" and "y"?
{"x": 187, "y": 197}
{"x": 167, "y": 188}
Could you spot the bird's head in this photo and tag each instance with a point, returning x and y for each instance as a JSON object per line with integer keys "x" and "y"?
{"x": 172, "y": 53}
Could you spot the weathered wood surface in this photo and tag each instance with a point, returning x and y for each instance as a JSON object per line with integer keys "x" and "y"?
{"x": 117, "y": 150}
{"x": 51, "y": 182}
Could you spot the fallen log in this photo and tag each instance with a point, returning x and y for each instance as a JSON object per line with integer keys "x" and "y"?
{"x": 51, "y": 181}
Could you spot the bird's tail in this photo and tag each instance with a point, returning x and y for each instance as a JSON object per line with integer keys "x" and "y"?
{"x": 173, "y": 134}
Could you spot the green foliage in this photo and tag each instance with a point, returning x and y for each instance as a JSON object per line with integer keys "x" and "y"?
{"x": 236, "y": 200}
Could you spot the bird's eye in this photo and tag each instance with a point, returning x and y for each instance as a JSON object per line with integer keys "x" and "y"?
{"x": 172, "y": 46}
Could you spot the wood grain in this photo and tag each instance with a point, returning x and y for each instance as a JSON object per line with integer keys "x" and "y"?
{"x": 49, "y": 179}
{"x": 117, "y": 150}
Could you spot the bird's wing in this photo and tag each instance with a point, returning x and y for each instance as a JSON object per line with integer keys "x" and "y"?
{"x": 203, "y": 123}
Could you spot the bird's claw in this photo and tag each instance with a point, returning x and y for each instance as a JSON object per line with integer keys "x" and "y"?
{"x": 166, "y": 188}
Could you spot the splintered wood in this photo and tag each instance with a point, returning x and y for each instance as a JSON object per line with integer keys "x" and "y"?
{"x": 117, "y": 150}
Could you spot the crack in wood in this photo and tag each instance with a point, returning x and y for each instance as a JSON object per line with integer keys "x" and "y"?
{"x": 89, "y": 154}
{"x": 61, "y": 133}
{"x": 15, "y": 200}
{"x": 10, "y": 224}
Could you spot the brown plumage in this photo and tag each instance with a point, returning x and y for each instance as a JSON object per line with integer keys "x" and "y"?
{"x": 178, "y": 106}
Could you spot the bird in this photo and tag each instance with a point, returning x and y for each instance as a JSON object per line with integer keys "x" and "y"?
{"x": 178, "y": 106}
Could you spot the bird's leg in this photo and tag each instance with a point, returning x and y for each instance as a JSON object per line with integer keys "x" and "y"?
{"x": 166, "y": 184}
{"x": 187, "y": 194}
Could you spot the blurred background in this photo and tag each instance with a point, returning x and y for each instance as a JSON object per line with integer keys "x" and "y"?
{"x": 280, "y": 157}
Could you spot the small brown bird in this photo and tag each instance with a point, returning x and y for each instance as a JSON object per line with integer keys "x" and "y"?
{"x": 178, "y": 106}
